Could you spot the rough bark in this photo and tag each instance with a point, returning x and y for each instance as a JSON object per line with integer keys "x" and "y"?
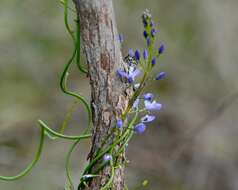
{"x": 109, "y": 96}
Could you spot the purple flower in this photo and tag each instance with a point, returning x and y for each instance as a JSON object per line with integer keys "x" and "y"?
{"x": 120, "y": 38}
{"x": 148, "y": 96}
{"x": 152, "y": 23}
{"x": 133, "y": 72}
{"x": 161, "y": 49}
{"x": 137, "y": 55}
{"x": 131, "y": 53}
{"x": 150, "y": 106}
{"x": 119, "y": 123}
{"x": 147, "y": 118}
{"x": 136, "y": 103}
{"x": 145, "y": 22}
{"x": 145, "y": 34}
{"x": 153, "y": 32}
{"x": 145, "y": 54}
{"x": 148, "y": 41}
{"x": 160, "y": 76}
{"x": 139, "y": 128}
{"x": 153, "y": 62}
{"x": 122, "y": 73}
{"x": 107, "y": 158}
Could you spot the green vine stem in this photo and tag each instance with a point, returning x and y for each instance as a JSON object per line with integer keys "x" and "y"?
{"x": 32, "y": 164}
{"x": 76, "y": 40}
{"x": 67, "y": 165}
{"x": 45, "y": 130}
{"x": 68, "y": 116}
{"x": 53, "y": 134}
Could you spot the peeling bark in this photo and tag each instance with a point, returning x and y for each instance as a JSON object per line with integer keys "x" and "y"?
{"x": 108, "y": 92}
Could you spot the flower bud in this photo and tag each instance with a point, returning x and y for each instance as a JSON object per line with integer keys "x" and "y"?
{"x": 107, "y": 157}
{"x": 137, "y": 55}
{"x": 153, "y": 62}
{"x": 139, "y": 128}
{"x": 119, "y": 123}
{"x": 145, "y": 54}
{"x": 160, "y": 76}
{"x": 161, "y": 49}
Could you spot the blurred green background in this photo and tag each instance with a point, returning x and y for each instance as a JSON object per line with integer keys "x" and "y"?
{"x": 192, "y": 145}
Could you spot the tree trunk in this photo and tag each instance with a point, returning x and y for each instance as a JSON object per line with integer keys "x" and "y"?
{"x": 109, "y": 95}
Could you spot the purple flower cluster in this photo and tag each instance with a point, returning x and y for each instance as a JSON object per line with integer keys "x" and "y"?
{"x": 130, "y": 75}
{"x": 149, "y": 27}
{"x": 144, "y": 61}
{"x": 149, "y": 105}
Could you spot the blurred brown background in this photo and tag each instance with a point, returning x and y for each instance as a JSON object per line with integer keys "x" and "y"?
{"x": 192, "y": 145}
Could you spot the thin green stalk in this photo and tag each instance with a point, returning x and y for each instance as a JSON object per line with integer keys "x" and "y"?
{"x": 71, "y": 9}
{"x": 66, "y": 20}
{"x": 103, "y": 152}
{"x": 67, "y": 165}
{"x": 97, "y": 170}
{"x": 78, "y": 42}
{"x": 50, "y": 132}
{"x": 125, "y": 143}
{"x": 68, "y": 116}
{"x": 64, "y": 75}
{"x": 109, "y": 183}
{"x": 32, "y": 164}
{"x": 125, "y": 187}
{"x": 79, "y": 97}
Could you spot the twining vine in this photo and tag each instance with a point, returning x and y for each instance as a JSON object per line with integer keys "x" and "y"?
{"x": 137, "y": 75}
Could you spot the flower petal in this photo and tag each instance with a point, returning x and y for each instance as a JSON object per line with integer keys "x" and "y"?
{"x": 160, "y": 76}
{"x": 131, "y": 53}
{"x": 119, "y": 123}
{"x": 152, "y": 105}
{"x": 153, "y": 32}
{"x": 147, "y": 118}
{"x": 145, "y": 54}
{"x": 139, "y": 128}
{"x": 148, "y": 96}
{"x": 161, "y": 49}
{"x": 122, "y": 73}
{"x": 137, "y": 55}
{"x": 145, "y": 34}
{"x": 136, "y": 103}
{"x": 135, "y": 73}
{"x": 107, "y": 157}
{"x": 153, "y": 62}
